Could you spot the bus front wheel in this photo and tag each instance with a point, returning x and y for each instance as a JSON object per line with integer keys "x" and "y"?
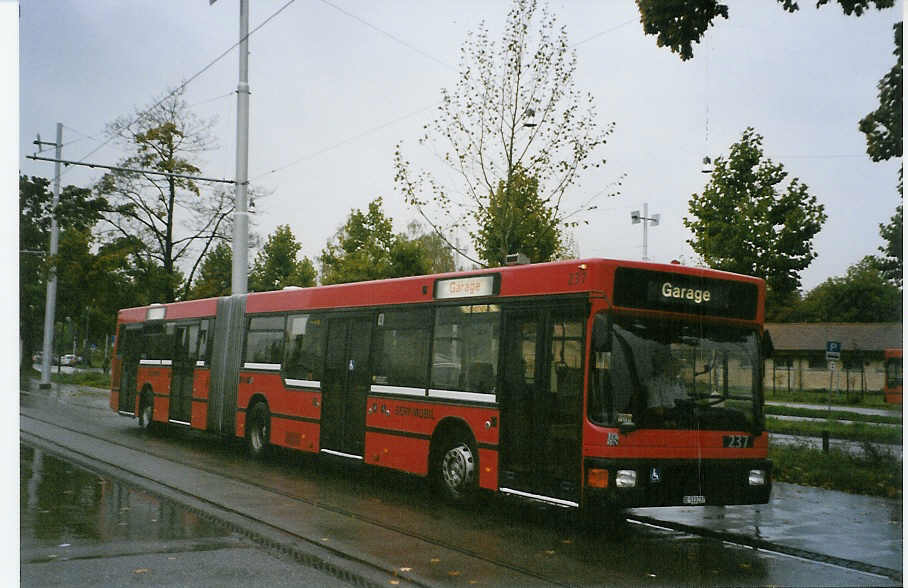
{"x": 456, "y": 470}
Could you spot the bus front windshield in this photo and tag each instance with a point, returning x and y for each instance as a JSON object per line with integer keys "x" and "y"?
{"x": 668, "y": 374}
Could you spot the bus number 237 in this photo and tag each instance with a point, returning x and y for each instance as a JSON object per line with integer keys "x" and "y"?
{"x": 737, "y": 441}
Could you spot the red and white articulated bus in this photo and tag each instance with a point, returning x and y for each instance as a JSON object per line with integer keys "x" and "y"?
{"x": 575, "y": 383}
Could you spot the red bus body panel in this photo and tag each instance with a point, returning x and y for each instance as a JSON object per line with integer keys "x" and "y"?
{"x": 399, "y": 431}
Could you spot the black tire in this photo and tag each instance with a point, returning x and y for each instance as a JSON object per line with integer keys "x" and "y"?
{"x": 456, "y": 470}
{"x": 258, "y": 430}
{"x": 146, "y": 412}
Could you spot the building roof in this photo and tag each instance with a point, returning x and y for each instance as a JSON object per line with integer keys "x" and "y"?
{"x": 852, "y": 336}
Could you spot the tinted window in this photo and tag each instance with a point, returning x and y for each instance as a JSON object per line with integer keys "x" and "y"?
{"x": 305, "y": 347}
{"x": 158, "y": 341}
{"x": 203, "y": 340}
{"x": 400, "y": 348}
{"x": 465, "y": 348}
{"x": 265, "y": 340}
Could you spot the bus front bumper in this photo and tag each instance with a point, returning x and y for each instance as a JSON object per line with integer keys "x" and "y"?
{"x": 642, "y": 483}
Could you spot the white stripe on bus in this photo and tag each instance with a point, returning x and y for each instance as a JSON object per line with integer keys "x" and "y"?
{"x": 455, "y": 395}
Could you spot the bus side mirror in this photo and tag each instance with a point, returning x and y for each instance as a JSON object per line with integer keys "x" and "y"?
{"x": 766, "y": 345}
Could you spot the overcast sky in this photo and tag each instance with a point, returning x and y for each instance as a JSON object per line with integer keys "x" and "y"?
{"x": 336, "y": 84}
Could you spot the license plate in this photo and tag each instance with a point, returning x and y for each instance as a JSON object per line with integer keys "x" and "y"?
{"x": 737, "y": 441}
{"x": 694, "y": 500}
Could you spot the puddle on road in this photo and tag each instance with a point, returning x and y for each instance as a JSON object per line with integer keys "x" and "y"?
{"x": 63, "y": 505}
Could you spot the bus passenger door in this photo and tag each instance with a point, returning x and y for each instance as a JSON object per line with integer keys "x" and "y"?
{"x": 541, "y": 396}
{"x": 345, "y": 386}
{"x": 128, "y": 347}
{"x": 184, "y": 356}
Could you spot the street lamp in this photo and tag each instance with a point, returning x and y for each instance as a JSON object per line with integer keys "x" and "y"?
{"x": 636, "y": 219}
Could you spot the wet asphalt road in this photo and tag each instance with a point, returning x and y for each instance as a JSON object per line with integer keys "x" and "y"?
{"x": 78, "y": 528}
{"x": 522, "y": 536}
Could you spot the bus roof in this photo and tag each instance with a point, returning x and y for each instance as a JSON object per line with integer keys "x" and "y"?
{"x": 542, "y": 279}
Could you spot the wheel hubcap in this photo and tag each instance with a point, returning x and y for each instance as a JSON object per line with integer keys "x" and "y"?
{"x": 458, "y": 468}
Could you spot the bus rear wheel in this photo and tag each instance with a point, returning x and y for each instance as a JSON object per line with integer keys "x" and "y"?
{"x": 146, "y": 412}
{"x": 258, "y": 430}
{"x": 456, "y": 470}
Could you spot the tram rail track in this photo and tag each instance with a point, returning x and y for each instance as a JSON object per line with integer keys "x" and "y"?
{"x": 246, "y": 525}
{"x": 267, "y": 540}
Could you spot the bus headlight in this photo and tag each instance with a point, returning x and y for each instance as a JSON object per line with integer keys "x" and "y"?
{"x": 626, "y": 478}
{"x": 756, "y": 478}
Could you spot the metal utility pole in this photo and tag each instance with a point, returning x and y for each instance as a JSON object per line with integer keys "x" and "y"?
{"x": 238, "y": 278}
{"x": 646, "y": 219}
{"x": 50, "y": 306}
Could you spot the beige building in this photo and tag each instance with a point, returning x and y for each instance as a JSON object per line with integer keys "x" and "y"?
{"x": 799, "y": 361}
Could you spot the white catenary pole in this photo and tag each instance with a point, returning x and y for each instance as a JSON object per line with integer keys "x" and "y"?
{"x": 241, "y": 215}
{"x": 51, "y": 302}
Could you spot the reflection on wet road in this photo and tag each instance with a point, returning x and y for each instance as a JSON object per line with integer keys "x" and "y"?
{"x": 78, "y": 528}
{"x": 67, "y": 510}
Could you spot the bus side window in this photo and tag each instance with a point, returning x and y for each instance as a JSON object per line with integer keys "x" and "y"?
{"x": 400, "y": 348}
{"x": 305, "y": 347}
{"x": 192, "y": 342}
{"x": 203, "y": 341}
{"x": 264, "y": 340}
{"x": 157, "y": 341}
{"x": 465, "y": 348}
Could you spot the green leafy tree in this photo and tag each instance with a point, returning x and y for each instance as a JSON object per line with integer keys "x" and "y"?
{"x": 277, "y": 264}
{"x": 514, "y": 117}
{"x": 883, "y": 126}
{"x": 745, "y": 221}
{"x": 883, "y": 130}
{"x": 678, "y": 24}
{"x": 435, "y": 254}
{"x": 172, "y": 217}
{"x": 76, "y": 212}
{"x": 891, "y": 262}
{"x": 517, "y": 220}
{"x": 215, "y": 273}
{"x": 361, "y": 248}
{"x": 863, "y": 295}
{"x": 366, "y": 248}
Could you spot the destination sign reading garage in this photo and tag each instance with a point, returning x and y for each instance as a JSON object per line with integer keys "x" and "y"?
{"x": 636, "y": 288}
{"x": 470, "y": 287}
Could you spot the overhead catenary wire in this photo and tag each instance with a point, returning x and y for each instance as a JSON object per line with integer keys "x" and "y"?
{"x": 600, "y": 33}
{"x": 343, "y": 142}
{"x": 192, "y": 77}
{"x": 131, "y": 170}
{"x": 389, "y": 35}
{"x": 216, "y": 98}
{"x": 406, "y": 116}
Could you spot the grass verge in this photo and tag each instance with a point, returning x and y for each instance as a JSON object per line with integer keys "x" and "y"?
{"x": 874, "y": 473}
{"x": 861, "y": 432}
{"x": 841, "y": 415}
{"x": 91, "y": 379}
{"x": 840, "y": 398}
